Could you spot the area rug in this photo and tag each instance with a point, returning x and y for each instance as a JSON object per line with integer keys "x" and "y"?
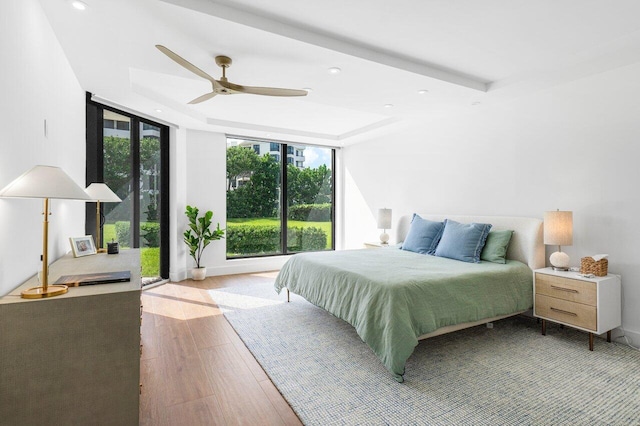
{"x": 506, "y": 375}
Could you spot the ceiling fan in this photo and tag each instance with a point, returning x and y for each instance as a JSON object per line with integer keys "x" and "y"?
{"x": 223, "y": 86}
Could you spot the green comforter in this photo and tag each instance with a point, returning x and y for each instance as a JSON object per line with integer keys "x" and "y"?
{"x": 393, "y": 296}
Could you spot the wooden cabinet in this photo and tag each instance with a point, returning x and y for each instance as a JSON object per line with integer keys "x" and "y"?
{"x": 73, "y": 359}
{"x": 589, "y": 304}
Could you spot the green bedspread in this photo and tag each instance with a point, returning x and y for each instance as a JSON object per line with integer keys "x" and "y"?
{"x": 393, "y": 296}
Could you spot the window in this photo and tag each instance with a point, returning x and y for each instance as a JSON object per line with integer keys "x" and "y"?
{"x": 256, "y": 149}
{"x": 134, "y": 163}
{"x": 122, "y": 125}
{"x": 278, "y": 207}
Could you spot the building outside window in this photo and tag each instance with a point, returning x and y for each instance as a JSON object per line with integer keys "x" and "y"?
{"x": 266, "y": 217}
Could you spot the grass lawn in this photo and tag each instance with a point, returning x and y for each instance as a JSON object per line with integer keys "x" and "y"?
{"x": 325, "y": 226}
{"x": 149, "y": 256}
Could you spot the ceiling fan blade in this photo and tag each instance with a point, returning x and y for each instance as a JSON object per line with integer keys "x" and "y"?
{"x": 188, "y": 65}
{"x": 203, "y": 98}
{"x": 271, "y": 91}
{"x": 266, "y": 91}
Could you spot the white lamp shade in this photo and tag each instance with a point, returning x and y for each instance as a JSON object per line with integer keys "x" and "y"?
{"x": 384, "y": 218}
{"x": 45, "y": 182}
{"x": 101, "y": 192}
{"x": 558, "y": 228}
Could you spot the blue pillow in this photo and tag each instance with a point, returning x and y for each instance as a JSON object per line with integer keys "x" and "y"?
{"x": 423, "y": 235}
{"x": 463, "y": 241}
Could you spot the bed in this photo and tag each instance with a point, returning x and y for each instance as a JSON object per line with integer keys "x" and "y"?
{"x": 394, "y": 298}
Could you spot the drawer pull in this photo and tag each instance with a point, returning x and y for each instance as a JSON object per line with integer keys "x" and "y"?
{"x": 569, "y": 290}
{"x": 560, "y": 311}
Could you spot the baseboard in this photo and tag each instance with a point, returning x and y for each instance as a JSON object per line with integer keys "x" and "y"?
{"x": 633, "y": 336}
{"x": 236, "y": 266}
{"x": 178, "y": 276}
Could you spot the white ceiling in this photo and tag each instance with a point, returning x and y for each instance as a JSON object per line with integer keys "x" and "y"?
{"x": 466, "y": 53}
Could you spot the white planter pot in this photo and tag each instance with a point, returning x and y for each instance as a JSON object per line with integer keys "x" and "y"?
{"x": 199, "y": 274}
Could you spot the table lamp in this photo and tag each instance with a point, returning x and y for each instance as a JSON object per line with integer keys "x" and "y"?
{"x": 558, "y": 231}
{"x": 100, "y": 192}
{"x": 44, "y": 182}
{"x": 384, "y": 223}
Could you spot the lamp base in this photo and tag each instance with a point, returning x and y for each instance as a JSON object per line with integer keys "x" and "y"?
{"x": 40, "y": 293}
{"x": 384, "y": 239}
{"x": 559, "y": 261}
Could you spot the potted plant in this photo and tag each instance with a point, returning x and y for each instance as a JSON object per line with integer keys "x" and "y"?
{"x": 198, "y": 237}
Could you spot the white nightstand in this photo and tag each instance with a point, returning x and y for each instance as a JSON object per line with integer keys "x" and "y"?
{"x": 589, "y": 304}
{"x": 376, "y": 244}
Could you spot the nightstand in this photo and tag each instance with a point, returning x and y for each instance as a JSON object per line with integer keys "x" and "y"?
{"x": 589, "y": 304}
{"x": 377, "y": 244}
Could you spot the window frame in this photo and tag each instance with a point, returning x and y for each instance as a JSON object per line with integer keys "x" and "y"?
{"x": 95, "y": 171}
{"x": 284, "y": 193}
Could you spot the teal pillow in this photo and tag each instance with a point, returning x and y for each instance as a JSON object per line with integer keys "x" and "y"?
{"x": 463, "y": 241}
{"x": 495, "y": 250}
{"x": 423, "y": 235}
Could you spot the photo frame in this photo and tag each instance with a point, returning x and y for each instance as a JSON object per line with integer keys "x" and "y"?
{"x": 82, "y": 246}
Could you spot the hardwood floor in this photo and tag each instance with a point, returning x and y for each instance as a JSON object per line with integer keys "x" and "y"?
{"x": 194, "y": 368}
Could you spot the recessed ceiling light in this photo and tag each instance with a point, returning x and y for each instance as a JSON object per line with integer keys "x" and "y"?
{"x": 422, "y": 91}
{"x": 158, "y": 110}
{"x": 77, "y": 4}
{"x": 388, "y": 105}
{"x": 334, "y": 70}
{"x": 476, "y": 103}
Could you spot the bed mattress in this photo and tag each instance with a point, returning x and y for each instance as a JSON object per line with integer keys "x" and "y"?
{"x": 393, "y": 296}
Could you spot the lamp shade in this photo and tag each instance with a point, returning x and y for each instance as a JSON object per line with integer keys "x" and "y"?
{"x": 44, "y": 182}
{"x": 101, "y": 192}
{"x": 558, "y": 228}
{"x": 384, "y": 218}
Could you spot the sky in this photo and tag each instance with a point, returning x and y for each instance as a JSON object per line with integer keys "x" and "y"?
{"x": 315, "y": 156}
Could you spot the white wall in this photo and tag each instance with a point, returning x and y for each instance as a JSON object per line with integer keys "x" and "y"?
{"x": 573, "y": 147}
{"x": 200, "y": 171}
{"x": 37, "y": 84}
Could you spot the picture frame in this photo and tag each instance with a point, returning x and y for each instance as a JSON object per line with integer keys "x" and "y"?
{"x": 82, "y": 246}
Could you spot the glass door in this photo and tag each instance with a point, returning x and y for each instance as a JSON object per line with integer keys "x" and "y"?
{"x": 130, "y": 155}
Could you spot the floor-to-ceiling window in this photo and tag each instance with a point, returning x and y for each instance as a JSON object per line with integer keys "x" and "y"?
{"x": 280, "y": 198}
{"x": 130, "y": 155}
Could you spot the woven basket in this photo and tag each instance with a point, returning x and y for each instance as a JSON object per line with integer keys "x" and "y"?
{"x": 590, "y": 266}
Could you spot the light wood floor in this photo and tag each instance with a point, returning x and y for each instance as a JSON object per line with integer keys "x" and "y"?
{"x": 195, "y": 370}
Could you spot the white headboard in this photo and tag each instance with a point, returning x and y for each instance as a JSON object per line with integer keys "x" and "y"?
{"x": 526, "y": 243}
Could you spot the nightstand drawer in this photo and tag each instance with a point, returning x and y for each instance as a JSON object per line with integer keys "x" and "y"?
{"x": 565, "y": 311}
{"x": 584, "y": 292}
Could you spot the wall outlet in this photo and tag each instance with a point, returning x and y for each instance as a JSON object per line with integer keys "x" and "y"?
{"x": 489, "y": 325}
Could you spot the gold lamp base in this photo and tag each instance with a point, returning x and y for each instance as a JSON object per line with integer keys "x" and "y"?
{"x": 40, "y": 292}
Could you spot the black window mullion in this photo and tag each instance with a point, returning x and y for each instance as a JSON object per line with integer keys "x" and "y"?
{"x": 94, "y": 158}
{"x": 284, "y": 208}
{"x": 164, "y": 202}
{"x": 333, "y": 199}
{"x": 135, "y": 177}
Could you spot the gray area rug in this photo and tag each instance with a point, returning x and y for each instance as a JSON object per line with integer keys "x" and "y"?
{"x": 507, "y": 375}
